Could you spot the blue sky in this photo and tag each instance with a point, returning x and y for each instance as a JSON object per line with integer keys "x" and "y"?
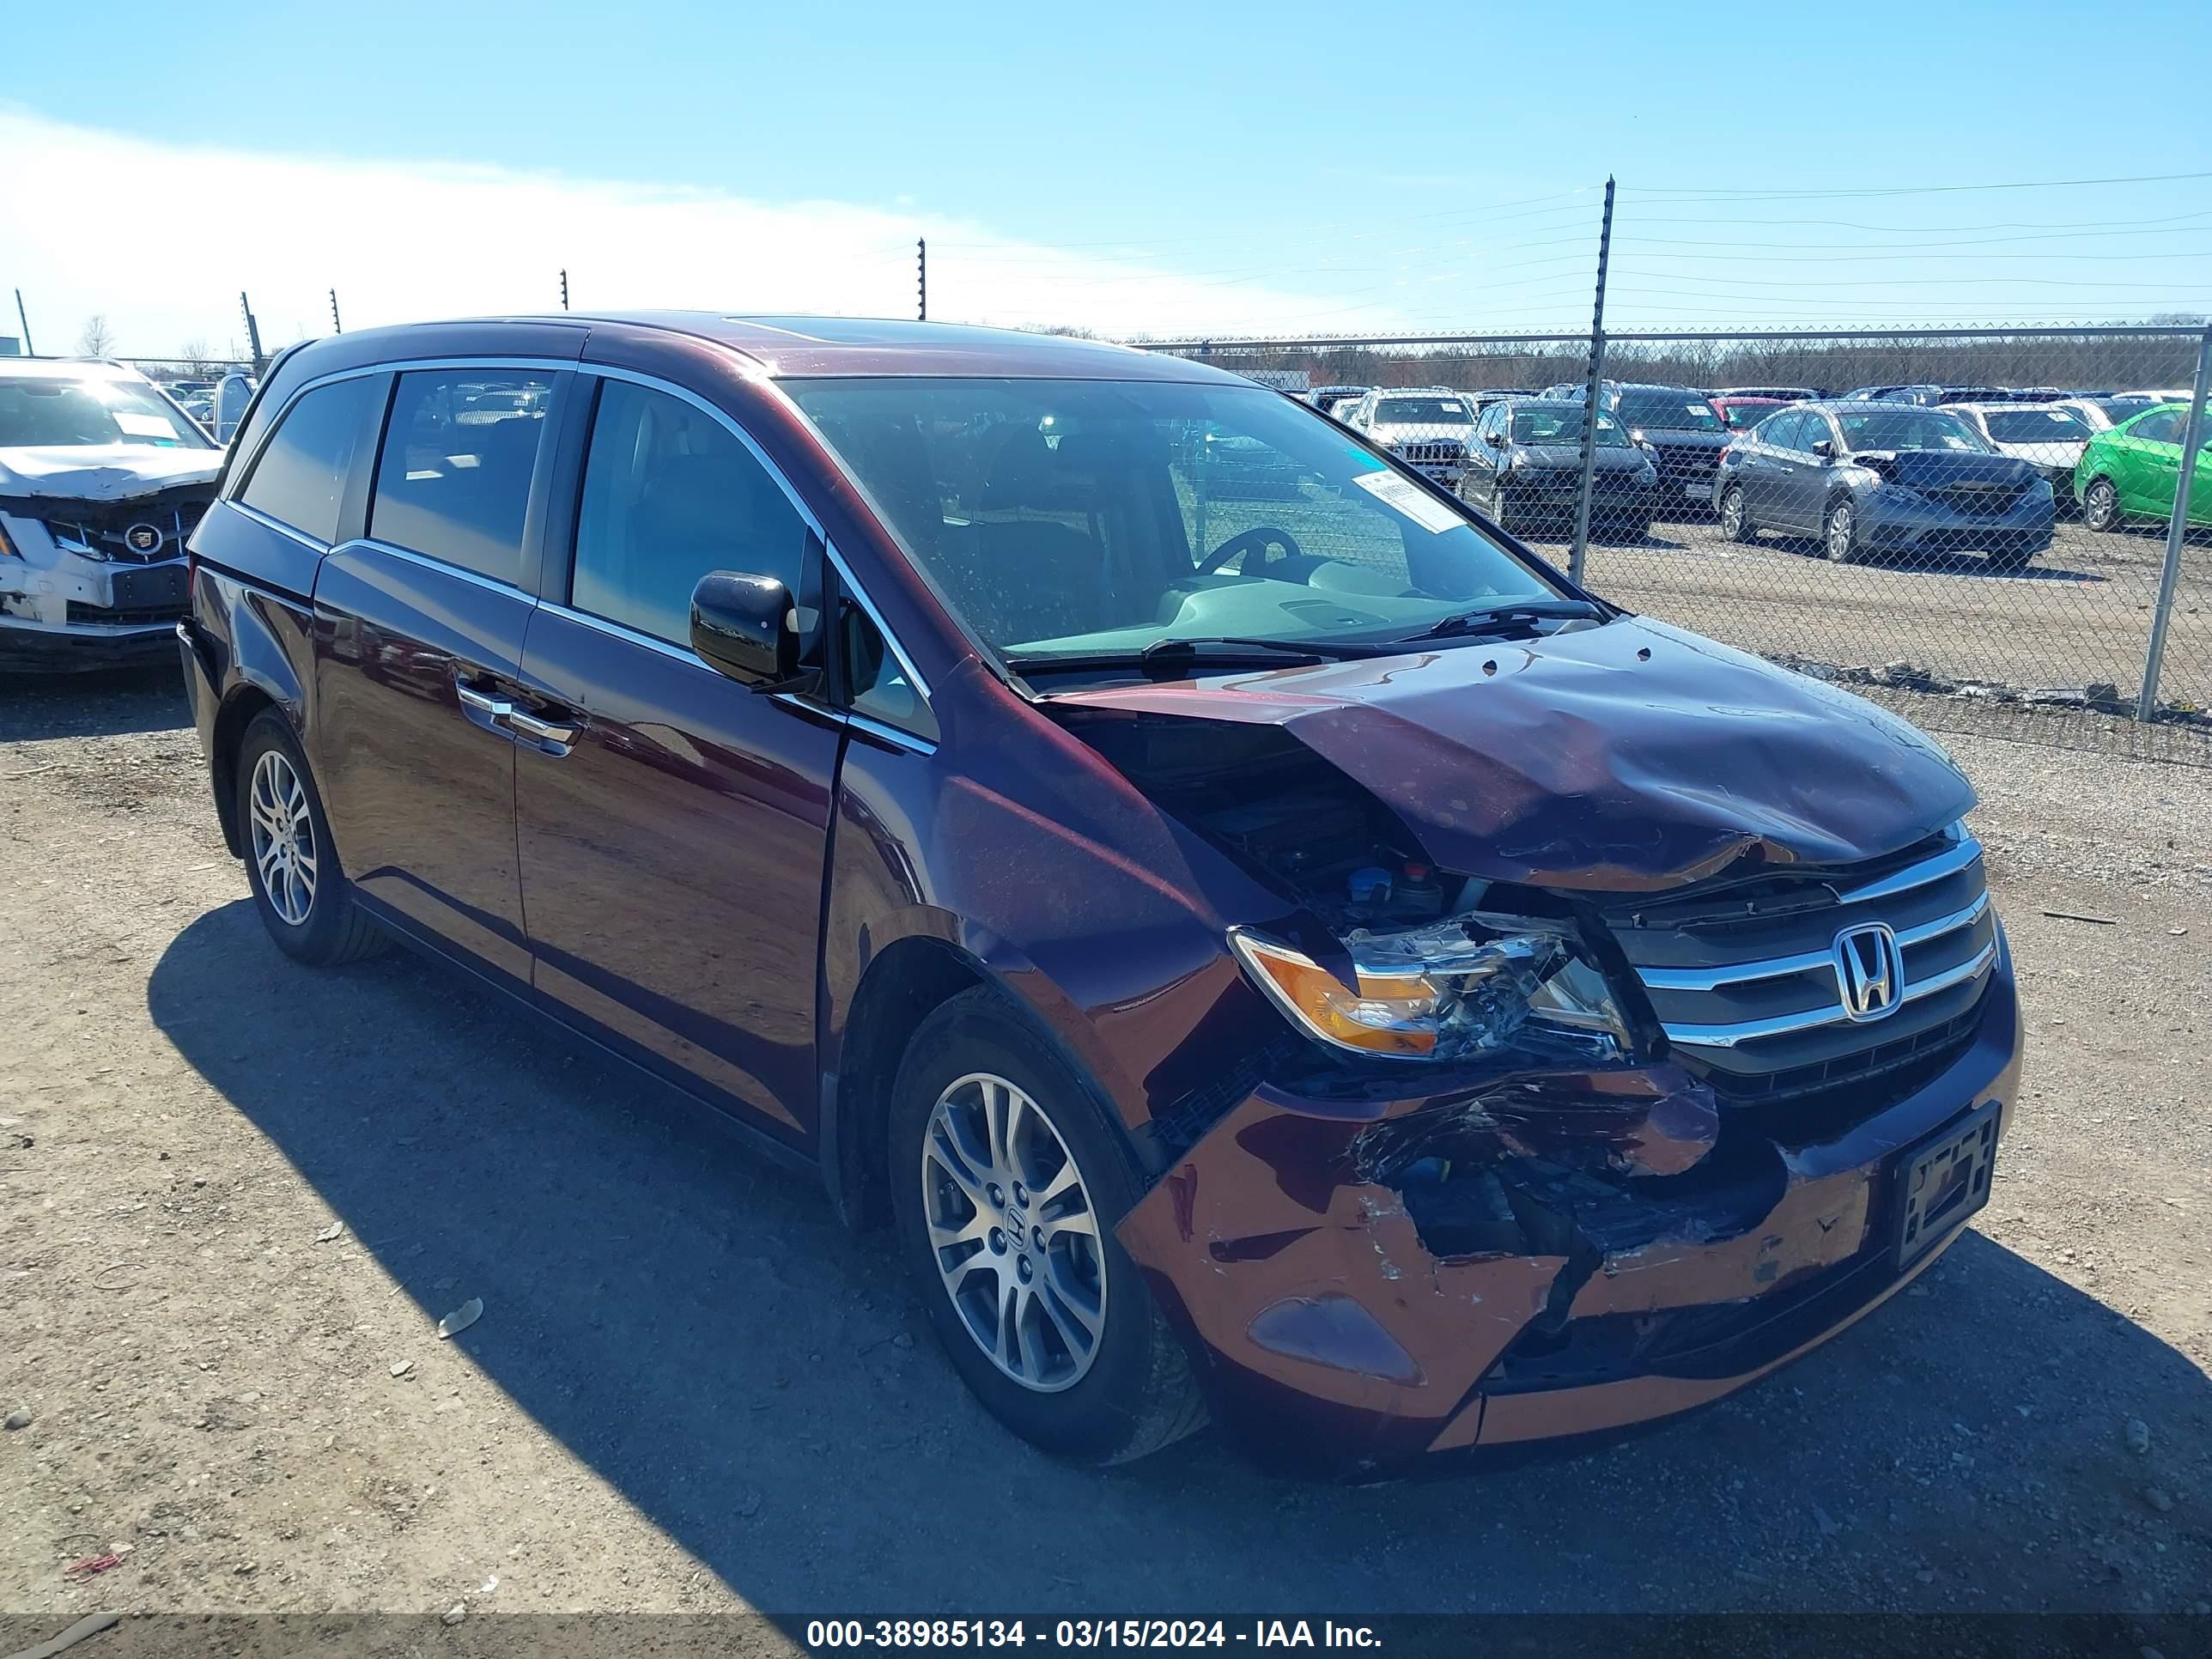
{"x": 1146, "y": 166}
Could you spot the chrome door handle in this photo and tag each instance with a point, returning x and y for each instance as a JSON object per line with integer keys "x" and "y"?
{"x": 483, "y": 702}
{"x": 539, "y": 731}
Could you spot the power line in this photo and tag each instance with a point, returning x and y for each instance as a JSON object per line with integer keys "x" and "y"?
{"x": 1705, "y": 193}
{"x": 1853, "y": 224}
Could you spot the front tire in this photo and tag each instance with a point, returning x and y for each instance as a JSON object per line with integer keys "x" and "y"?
{"x": 1009, "y": 1174}
{"x": 2100, "y": 505}
{"x": 305, "y": 901}
{"x": 1736, "y": 516}
{"x": 1840, "y": 535}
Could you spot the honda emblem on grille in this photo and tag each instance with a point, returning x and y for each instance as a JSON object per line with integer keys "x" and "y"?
{"x": 1869, "y": 971}
{"x": 142, "y": 537}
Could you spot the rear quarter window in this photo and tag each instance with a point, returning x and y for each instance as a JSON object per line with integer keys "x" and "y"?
{"x": 300, "y": 479}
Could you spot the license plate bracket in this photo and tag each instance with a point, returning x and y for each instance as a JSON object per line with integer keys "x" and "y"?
{"x": 1943, "y": 1180}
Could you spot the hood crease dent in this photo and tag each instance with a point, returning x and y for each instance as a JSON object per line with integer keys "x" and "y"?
{"x": 1630, "y": 757}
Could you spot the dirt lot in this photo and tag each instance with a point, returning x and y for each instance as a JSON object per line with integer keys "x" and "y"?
{"x": 689, "y": 1390}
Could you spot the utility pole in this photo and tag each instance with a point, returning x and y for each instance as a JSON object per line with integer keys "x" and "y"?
{"x": 23, "y": 316}
{"x": 253, "y": 331}
{"x": 1590, "y": 396}
{"x": 921, "y": 275}
{"x": 564, "y": 287}
{"x": 336, "y": 327}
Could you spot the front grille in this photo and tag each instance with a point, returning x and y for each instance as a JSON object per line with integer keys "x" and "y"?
{"x": 1982, "y": 501}
{"x": 1678, "y": 464}
{"x": 1744, "y": 977}
{"x": 102, "y": 530}
{"x": 124, "y": 615}
{"x": 1439, "y": 453}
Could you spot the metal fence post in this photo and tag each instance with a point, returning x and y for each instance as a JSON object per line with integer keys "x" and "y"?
{"x": 1590, "y": 396}
{"x": 2177, "y": 531}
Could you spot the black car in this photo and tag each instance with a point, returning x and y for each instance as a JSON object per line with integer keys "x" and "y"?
{"x": 1685, "y": 434}
{"x": 1525, "y": 469}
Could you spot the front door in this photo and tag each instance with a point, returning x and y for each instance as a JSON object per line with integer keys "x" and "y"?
{"x": 673, "y": 825}
{"x": 419, "y": 632}
{"x": 1801, "y": 477}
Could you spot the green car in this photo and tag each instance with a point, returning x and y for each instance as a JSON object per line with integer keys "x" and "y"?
{"x": 2132, "y": 472}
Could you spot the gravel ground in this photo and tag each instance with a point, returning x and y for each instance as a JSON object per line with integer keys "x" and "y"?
{"x": 236, "y": 1196}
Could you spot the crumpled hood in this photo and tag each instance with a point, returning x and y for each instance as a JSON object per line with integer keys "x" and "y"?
{"x": 1945, "y": 468}
{"x": 1629, "y": 757}
{"x": 103, "y": 472}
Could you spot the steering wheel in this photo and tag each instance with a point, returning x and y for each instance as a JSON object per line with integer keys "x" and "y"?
{"x": 1266, "y": 535}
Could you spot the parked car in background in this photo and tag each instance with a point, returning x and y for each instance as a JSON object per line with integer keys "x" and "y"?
{"x": 1488, "y": 395}
{"x": 1926, "y": 397}
{"x": 1867, "y": 478}
{"x": 1525, "y": 470}
{"x": 101, "y": 479}
{"x": 1685, "y": 434}
{"x": 1428, "y": 428}
{"x": 1787, "y": 394}
{"x": 2133, "y": 470}
{"x": 1740, "y": 413}
{"x": 857, "y": 725}
{"x": 1331, "y": 399}
{"x": 2101, "y": 411}
{"x": 2050, "y": 437}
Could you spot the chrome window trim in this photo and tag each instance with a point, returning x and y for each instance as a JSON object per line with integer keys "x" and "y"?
{"x": 431, "y": 562}
{"x": 1728, "y": 1036}
{"x": 623, "y": 631}
{"x": 268, "y": 522}
{"x": 1744, "y": 973}
{"x": 884, "y": 729}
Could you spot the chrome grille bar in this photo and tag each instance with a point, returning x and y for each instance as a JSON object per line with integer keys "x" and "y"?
{"x": 1727, "y": 1037}
{"x": 1742, "y": 973}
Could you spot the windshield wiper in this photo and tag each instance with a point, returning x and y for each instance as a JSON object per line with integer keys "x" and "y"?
{"x": 1500, "y": 618}
{"x": 1184, "y": 651}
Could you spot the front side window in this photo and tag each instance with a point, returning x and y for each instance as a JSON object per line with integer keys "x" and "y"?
{"x": 1091, "y": 516}
{"x": 1911, "y": 428}
{"x": 670, "y": 494}
{"x": 1667, "y": 411}
{"x": 1783, "y": 431}
{"x": 47, "y": 412}
{"x": 301, "y": 478}
{"x": 459, "y": 451}
{"x": 876, "y": 684}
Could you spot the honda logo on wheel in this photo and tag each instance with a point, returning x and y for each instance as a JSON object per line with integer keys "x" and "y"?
{"x": 1869, "y": 971}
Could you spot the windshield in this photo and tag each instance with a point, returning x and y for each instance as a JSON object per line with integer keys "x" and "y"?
{"x": 1070, "y": 517}
{"x": 1426, "y": 411}
{"x": 1671, "y": 411}
{"x": 1562, "y": 426}
{"x": 2032, "y": 425}
{"x": 1909, "y": 429}
{"x": 55, "y": 414}
{"x": 2124, "y": 409}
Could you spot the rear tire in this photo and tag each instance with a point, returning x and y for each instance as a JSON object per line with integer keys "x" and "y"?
{"x": 1736, "y": 516}
{"x": 305, "y": 901}
{"x": 1009, "y": 1174}
{"x": 1839, "y": 533}
{"x": 2100, "y": 505}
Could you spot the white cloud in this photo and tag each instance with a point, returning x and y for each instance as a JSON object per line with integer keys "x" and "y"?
{"x": 160, "y": 238}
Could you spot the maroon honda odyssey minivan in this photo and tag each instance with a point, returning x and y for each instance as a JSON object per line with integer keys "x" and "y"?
{"x": 1266, "y": 946}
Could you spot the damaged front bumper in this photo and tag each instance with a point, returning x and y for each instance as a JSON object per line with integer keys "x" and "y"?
{"x": 1367, "y": 1284}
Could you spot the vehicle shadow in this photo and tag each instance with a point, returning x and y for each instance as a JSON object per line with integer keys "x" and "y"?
{"x": 103, "y": 704}
{"x": 693, "y": 1325}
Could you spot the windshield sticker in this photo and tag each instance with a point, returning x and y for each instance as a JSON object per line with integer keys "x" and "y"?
{"x": 132, "y": 424}
{"x": 1408, "y": 498}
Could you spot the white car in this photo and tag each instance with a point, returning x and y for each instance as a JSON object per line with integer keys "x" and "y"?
{"x": 2049, "y": 437}
{"x": 101, "y": 479}
{"x": 1427, "y": 427}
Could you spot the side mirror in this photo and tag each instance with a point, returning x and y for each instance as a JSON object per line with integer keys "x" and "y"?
{"x": 1495, "y": 440}
{"x": 745, "y": 627}
{"x": 1824, "y": 449}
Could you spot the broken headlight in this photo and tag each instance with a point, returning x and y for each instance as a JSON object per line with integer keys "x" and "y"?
{"x": 1475, "y": 985}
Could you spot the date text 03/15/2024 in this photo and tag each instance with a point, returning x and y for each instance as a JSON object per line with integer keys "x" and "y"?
{"x": 823, "y": 1635}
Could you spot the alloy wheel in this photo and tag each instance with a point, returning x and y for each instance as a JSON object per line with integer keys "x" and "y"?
{"x": 1842, "y": 532}
{"x": 1014, "y": 1232}
{"x": 1732, "y": 515}
{"x": 2100, "y": 505}
{"x": 284, "y": 837}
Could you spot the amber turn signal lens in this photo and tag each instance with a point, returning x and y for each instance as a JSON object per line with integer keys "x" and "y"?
{"x": 1389, "y": 1014}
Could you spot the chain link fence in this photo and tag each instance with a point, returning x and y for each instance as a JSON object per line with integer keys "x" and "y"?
{"x": 1977, "y": 526}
